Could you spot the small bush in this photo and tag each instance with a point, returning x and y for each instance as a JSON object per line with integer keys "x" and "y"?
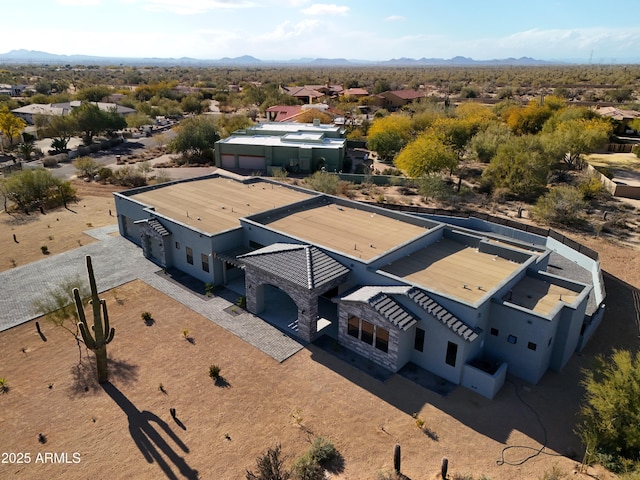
{"x": 307, "y": 468}
{"x": 147, "y": 318}
{"x": 242, "y": 302}
{"x": 44, "y": 249}
{"x": 214, "y": 372}
{"x": 323, "y": 182}
{"x": 561, "y": 205}
{"x": 4, "y": 386}
{"x": 322, "y": 451}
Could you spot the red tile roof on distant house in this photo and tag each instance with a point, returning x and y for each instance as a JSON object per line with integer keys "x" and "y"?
{"x": 283, "y": 113}
{"x": 406, "y": 94}
{"x": 356, "y": 92}
{"x": 302, "y": 92}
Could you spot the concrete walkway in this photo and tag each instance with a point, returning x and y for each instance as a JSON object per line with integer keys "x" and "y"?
{"x": 117, "y": 261}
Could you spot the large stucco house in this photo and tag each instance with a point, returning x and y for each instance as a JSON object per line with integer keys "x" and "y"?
{"x": 296, "y": 147}
{"x": 463, "y": 298}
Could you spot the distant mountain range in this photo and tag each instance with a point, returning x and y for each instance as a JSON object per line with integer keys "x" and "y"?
{"x": 40, "y": 58}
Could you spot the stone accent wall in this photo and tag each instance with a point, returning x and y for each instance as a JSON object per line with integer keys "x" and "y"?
{"x": 387, "y": 360}
{"x": 305, "y": 299}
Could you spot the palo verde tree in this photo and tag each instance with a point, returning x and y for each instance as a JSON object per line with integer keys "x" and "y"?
{"x": 388, "y": 135}
{"x": 611, "y": 410}
{"x": 426, "y": 155}
{"x": 102, "y": 332}
{"x": 10, "y": 125}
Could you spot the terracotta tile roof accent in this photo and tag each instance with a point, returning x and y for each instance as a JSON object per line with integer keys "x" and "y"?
{"x": 355, "y": 91}
{"x": 382, "y": 300}
{"x": 302, "y": 265}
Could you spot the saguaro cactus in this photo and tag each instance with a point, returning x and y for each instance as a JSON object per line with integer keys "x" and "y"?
{"x": 102, "y": 334}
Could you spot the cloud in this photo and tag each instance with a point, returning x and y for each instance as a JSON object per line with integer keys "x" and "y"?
{"x": 326, "y": 9}
{"x": 395, "y": 18}
{"x": 288, "y": 29}
{"x": 79, "y": 3}
{"x": 194, "y": 7}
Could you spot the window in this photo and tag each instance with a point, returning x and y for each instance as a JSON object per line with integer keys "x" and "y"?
{"x": 367, "y": 332}
{"x": 495, "y": 332}
{"x": 418, "y": 343}
{"x": 382, "y": 339}
{"x": 205, "y": 262}
{"x": 189, "y": 255}
{"x": 177, "y": 245}
{"x": 512, "y": 339}
{"x": 452, "y": 353}
{"x": 353, "y": 326}
{"x": 549, "y": 344}
{"x": 532, "y": 346}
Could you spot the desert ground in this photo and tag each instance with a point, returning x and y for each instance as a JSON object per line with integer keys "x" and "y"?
{"x": 124, "y": 429}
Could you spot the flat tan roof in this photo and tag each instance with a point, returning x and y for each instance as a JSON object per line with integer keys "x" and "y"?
{"x": 216, "y": 204}
{"x": 451, "y": 268}
{"x": 538, "y": 295}
{"x": 359, "y": 233}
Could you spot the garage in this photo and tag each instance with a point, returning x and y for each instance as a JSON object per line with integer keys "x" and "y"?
{"x": 228, "y": 161}
{"x": 251, "y": 162}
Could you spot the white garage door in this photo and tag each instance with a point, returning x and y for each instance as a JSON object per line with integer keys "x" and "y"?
{"x": 228, "y": 161}
{"x": 251, "y": 162}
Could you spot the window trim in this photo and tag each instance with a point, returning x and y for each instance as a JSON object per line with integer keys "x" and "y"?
{"x": 189, "y": 253}
{"x": 204, "y": 259}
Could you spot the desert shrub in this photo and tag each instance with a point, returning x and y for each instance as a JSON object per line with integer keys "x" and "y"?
{"x": 434, "y": 188}
{"x": 214, "y": 372}
{"x": 561, "y": 205}
{"x": 322, "y": 451}
{"x": 146, "y": 317}
{"x": 279, "y": 173}
{"x": 344, "y": 188}
{"x": 44, "y": 249}
{"x": 241, "y": 302}
{"x": 104, "y": 174}
{"x": 307, "y": 468}
{"x": 323, "y": 182}
{"x": 554, "y": 474}
{"x": 50, "y": 162}
{"x": 591, "y": 187}
{"x": 636, "y": 149}
{"x": 128, "y": 177}
{"x": 4, "y": 386}
{"x": 270, "y": 466}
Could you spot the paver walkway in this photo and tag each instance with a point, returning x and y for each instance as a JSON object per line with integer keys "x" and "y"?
{"x": 117, "y": 261}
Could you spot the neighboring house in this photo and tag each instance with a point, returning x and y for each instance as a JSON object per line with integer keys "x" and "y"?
{"x": 28, "y": 112}
{"x": 12, "y": 90}
{"x": 311, "y": 93}
{"x": 296, "y": 147}
{"x": 289, "y": 113}
{"x": 394, "y": 99}
{"x": 622, "y": 117}
{"x": 465, "y": 299}
{"x": 355, "y": 92}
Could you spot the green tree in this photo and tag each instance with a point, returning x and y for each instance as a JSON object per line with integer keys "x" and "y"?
{"x": 484, "y": 145}
{"x": 191, "y": 104}
{"x": 610, "y": 411}
{"x": 26, "y": 149}
{"x": 94, "y": 94}
{"x": 426, "y": 155}
{"x": 560, "y": 205}
{"x": 61, "y": 128}
{"x": 521, "y": 166}
{"x": 10, "y": 125}
{"x": 86, "y": 166}
{"x": 90, "y": 121}
{"x": 270, "y": 466}
{"x": 571, "y": 139}
{"x": 36, "y": 187}
{"x": 195, "y": 138}
{"x": 227, "y": 124}
{"x": 388, "y": 135}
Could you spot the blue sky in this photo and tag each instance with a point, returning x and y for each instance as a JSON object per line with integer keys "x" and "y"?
{"x": 357, "y": 29}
